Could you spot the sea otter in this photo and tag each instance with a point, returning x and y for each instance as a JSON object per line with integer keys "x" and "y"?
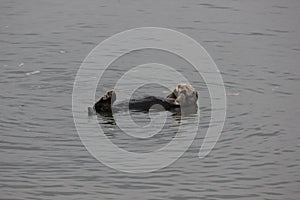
{"x": 183, "y": 95}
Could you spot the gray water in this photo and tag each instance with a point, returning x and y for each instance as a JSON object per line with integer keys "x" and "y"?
{"x": 256, "y": 46}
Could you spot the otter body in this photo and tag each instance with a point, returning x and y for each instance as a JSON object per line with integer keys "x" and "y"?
{"x": 183, "y": 95}
{"x": 143, "y": 104}
{"x": 146, "y": 103}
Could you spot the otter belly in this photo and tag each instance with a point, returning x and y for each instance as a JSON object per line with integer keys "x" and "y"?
{"x": 149, "y": 102}
{"x": 143, "y": 104}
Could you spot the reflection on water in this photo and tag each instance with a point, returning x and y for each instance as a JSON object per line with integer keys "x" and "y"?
{"x": 146, "y": 137}
{"x": 256, "y": 47}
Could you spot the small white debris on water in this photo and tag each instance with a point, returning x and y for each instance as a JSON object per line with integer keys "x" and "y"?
{"x": 275, "y": 88}
{"x": 31, "y": 73}
{"x": 233, "y": 94}
{"x": 21, "y": 64}
{"x": 62, "y": 51}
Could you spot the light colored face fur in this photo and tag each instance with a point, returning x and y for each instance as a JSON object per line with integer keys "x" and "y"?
{"x": 184, "y": 94}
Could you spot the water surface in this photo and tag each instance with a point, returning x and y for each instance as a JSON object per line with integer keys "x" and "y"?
{"x": 256, "y": 47}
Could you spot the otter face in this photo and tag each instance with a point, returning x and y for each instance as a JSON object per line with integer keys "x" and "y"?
{"x": 184, "y": 95}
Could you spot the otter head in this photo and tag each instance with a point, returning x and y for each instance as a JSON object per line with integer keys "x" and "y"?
{"x": 184, "y": 95}
{"x": 105, "y": 102}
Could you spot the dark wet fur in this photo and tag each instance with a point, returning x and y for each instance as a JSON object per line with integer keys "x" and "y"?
{"x": 143, "y": 104}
